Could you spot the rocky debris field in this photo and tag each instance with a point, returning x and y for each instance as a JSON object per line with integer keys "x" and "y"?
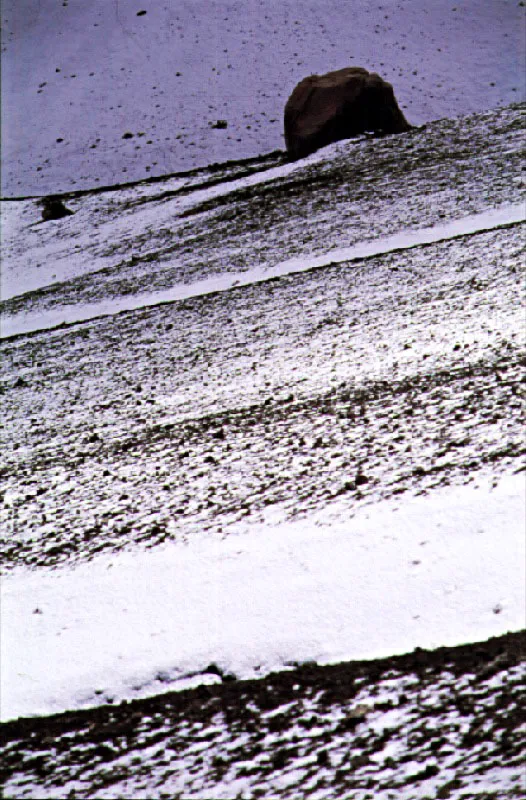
{"x": 356, "y": 381}
{"x": 359, "y": 379}
{"x": 441, "y": 725}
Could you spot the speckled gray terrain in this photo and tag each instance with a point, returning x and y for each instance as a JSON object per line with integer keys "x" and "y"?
{"x": 358, "y": 380}
{"x": 116, "y": 90}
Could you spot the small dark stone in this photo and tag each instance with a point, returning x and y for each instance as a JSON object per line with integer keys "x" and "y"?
{"x": 54, "y": 208}
{"x": 213, "y": 669}
{"x": 428, "y": 772}
{"x": 445, "y": 790}
{"x": 127, "y": 135}
{"x": 39, "y": 765}
{"x": 104, "y": 752}
{"x": 279, "y": 759}
{"x": 203, "y": 692}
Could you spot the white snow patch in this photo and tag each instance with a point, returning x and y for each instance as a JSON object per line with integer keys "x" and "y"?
{"x": 49, "y": 259}
{"x": 325, "y": 588}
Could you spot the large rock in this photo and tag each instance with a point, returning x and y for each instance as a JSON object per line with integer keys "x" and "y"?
{"x": 338, "y": 105}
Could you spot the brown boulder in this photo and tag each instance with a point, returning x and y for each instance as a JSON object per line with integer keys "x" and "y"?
{"x": 338, "y": 105}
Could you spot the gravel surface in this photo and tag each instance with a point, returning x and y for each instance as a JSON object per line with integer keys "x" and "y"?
{"x": 150, "y": 237}
{"x": 361, "y": 380}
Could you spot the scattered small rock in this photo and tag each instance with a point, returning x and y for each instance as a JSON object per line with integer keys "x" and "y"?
{"x": 214, "y": 669}
{"x": 54, "y": 208}
{"x": 361, "y": 479}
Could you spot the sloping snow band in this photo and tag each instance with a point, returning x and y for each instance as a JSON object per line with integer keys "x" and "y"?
{"x": 405, "y": 240}
{"x": 445, "y": 568}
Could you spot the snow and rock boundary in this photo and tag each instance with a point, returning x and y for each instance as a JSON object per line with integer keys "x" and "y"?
{"x": 320, "y": 407}
{"x": 147, "y": 245}
{"x": 312, "y": 731}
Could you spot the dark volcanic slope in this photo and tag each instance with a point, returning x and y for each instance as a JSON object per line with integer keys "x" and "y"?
{"x": 442, "y": 724}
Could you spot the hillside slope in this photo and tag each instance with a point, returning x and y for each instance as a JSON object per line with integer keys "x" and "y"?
{"x": 435, "y": 725}
{"x": 308, "y": 374}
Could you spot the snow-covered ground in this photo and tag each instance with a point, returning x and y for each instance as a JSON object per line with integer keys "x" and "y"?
{"x": 77, "y": 76}
{"x": 304, "y": 434}
{"x": 442, "y": 724}
{"x": 22, "y": 282}
{"x": 301, "y": 321}
{"x": 261, "y": 413}
{"x": 137, "y": 246}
